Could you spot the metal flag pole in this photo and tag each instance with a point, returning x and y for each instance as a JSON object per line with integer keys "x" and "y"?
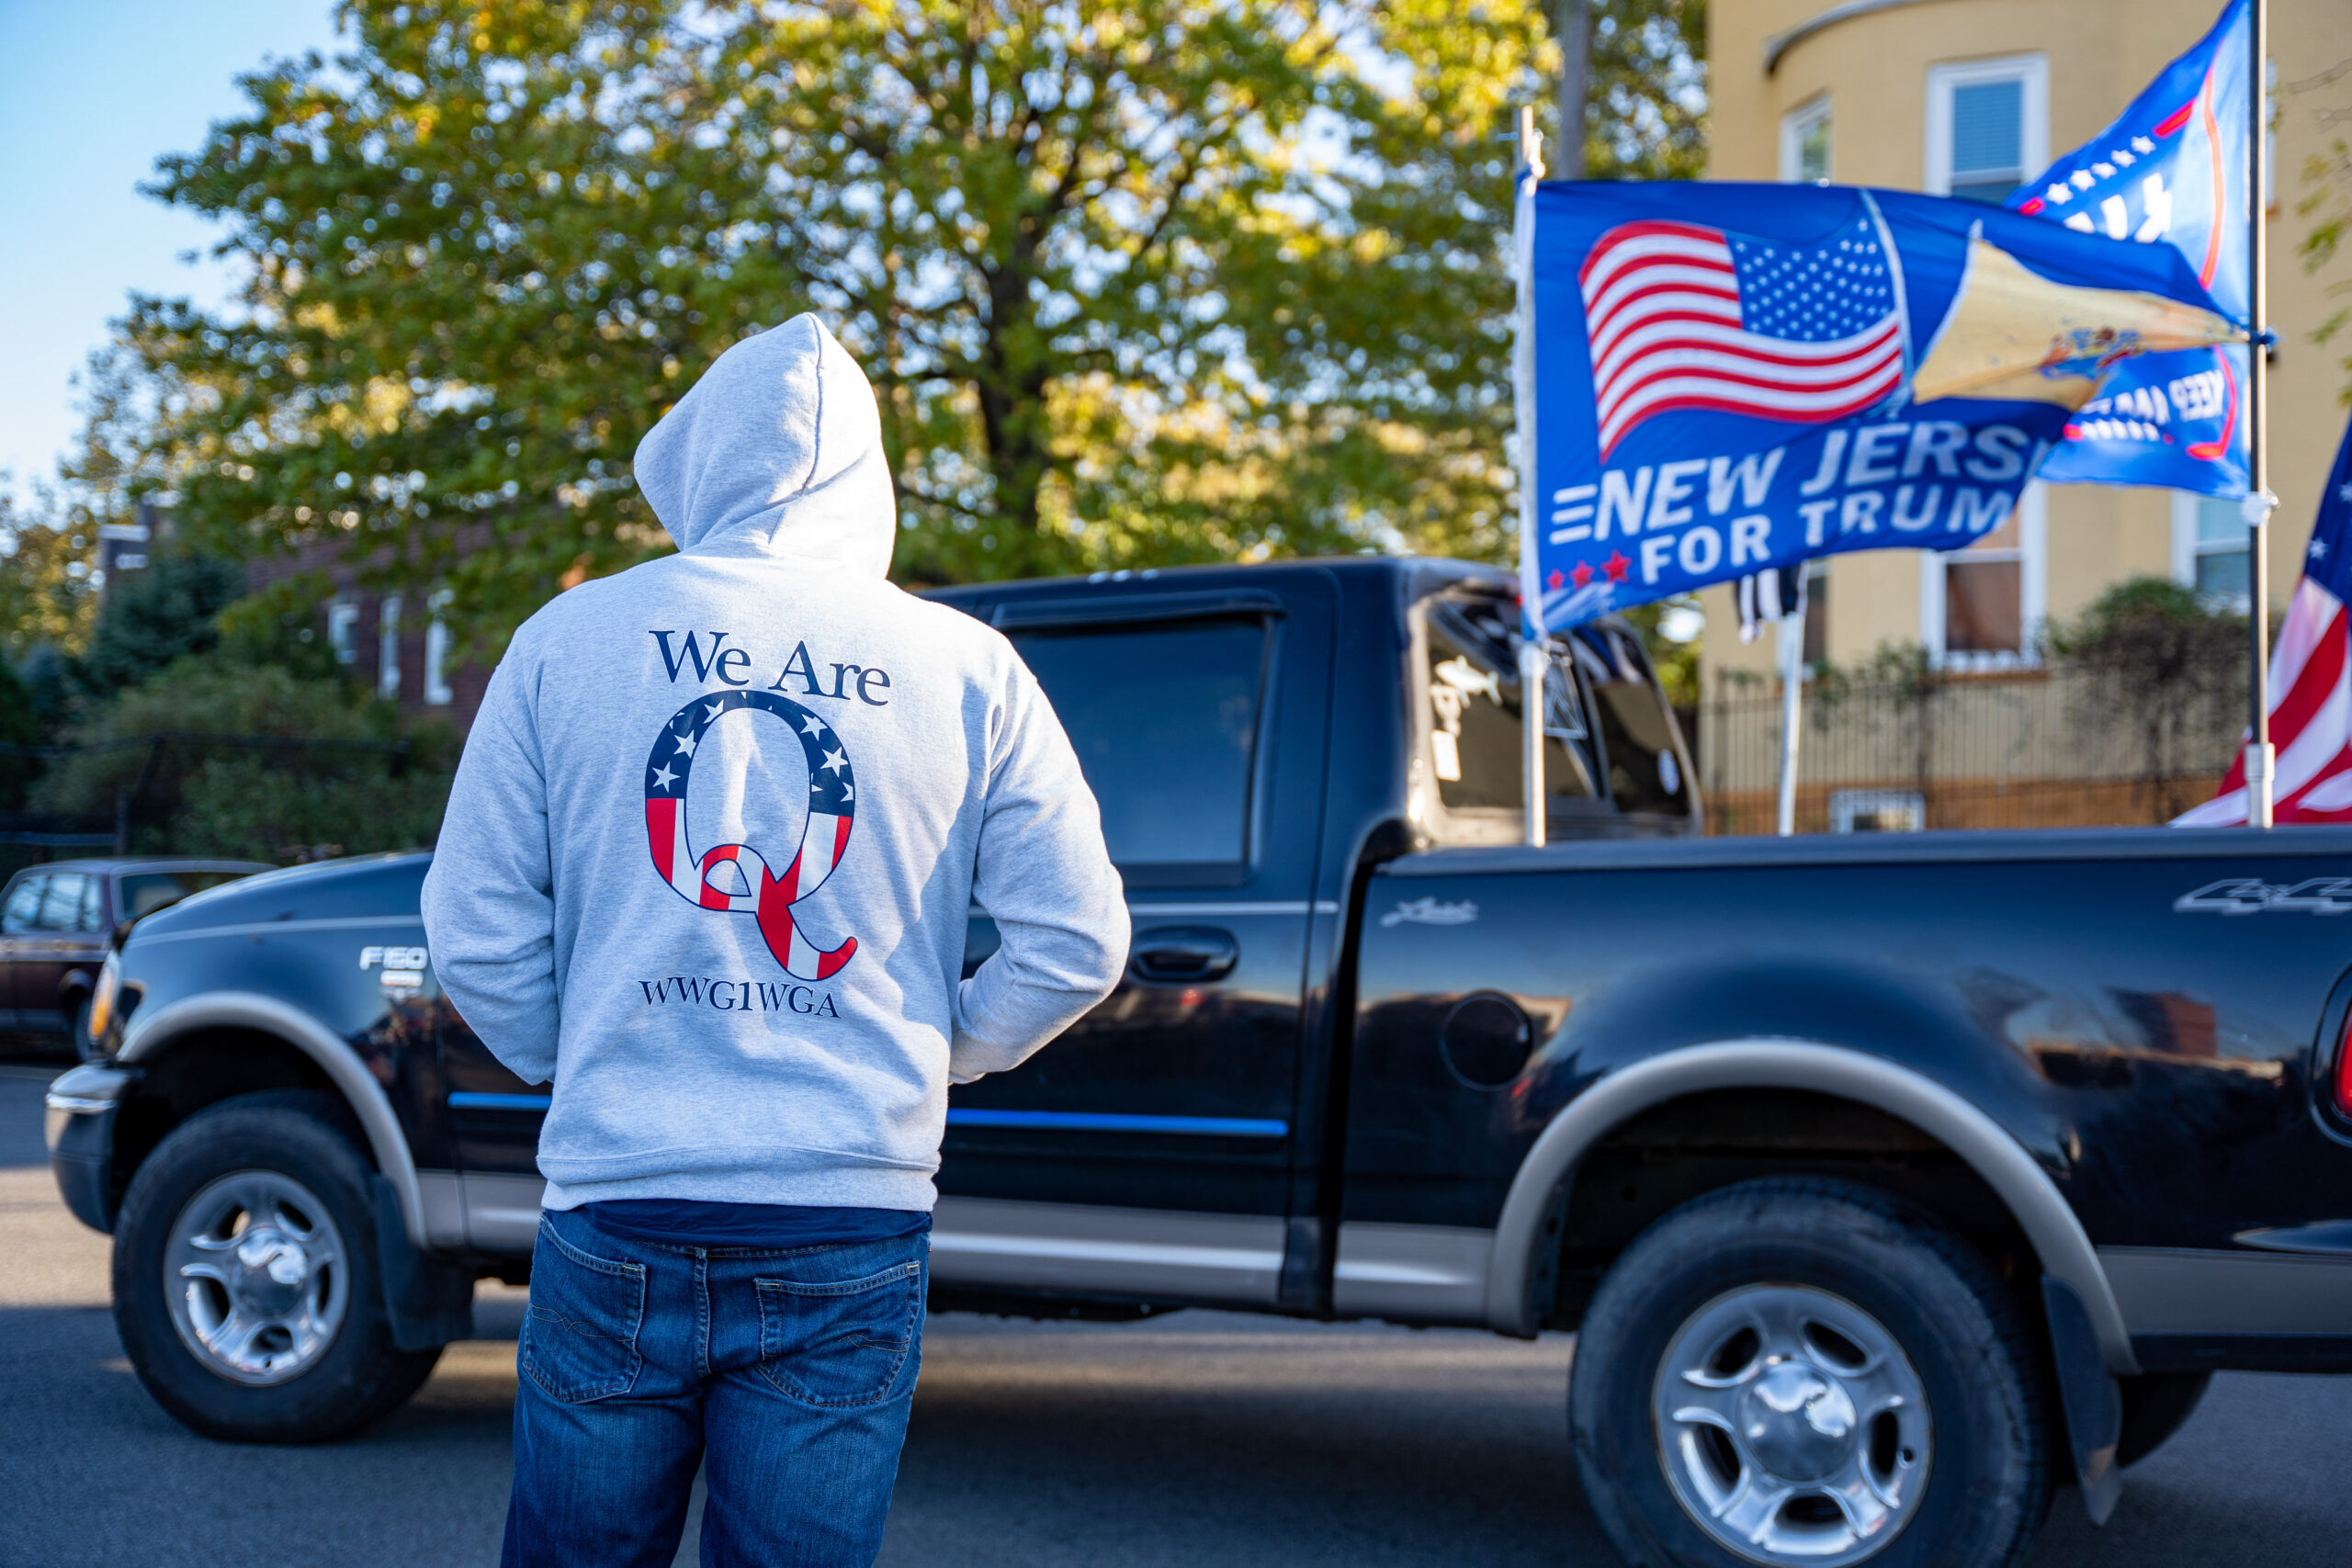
{"x": 1527, "y": 169}
{"x": 2260, "y": 761}
{"x": 1792, "y": 630}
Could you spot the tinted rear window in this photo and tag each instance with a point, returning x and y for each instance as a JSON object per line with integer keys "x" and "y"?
{"x": 1636, "y": 734}
{"x": 1164, "y": 719}
{"x": 148, "y": 891}
{"x": 1474, "y": 714}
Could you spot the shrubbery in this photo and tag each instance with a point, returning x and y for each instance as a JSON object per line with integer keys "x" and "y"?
{"x": 198, "y": 798}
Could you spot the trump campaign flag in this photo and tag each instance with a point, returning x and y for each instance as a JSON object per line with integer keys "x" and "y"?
{"x": 2171, "y": 171}
{"x": 1722, "y": 378}
{"x": 2310, "y": 681}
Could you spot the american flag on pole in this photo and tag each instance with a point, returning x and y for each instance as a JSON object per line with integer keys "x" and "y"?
{"x": 1683, "y": 316}
{"x": 2310, "y": 681}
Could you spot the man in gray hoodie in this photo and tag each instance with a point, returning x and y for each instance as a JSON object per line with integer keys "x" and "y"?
{"x": 706, "y": 868}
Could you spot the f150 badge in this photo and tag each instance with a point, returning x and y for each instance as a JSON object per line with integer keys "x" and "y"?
{"x": 401, "y": 968}
{"x": 2252, "y": 896}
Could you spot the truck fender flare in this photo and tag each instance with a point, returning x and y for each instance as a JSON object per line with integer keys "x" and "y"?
{"x": 148, "y": 1034}
{"x": 2032, "y": 1197}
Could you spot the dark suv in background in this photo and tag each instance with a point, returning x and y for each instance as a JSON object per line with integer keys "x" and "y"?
{"x": 55, "y": 920}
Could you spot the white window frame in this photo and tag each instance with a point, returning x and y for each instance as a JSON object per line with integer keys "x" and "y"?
{"x": 343, "y": 630}
{"x": 436, "y": 653}
{"x": 2033, "y": 593}
{"x": 388, "y": 648}
{"x": 2186, "y": 549}
{"x": 1815, "y": 110}
{"x": 2033, "y": 147}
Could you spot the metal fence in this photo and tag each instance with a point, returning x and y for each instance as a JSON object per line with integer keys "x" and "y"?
{"x": 2071, "y": 745}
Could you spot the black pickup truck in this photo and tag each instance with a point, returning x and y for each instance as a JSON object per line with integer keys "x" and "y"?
{"x": 1886, "y": 1181}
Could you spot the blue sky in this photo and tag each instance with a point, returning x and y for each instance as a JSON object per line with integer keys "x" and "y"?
{"x": 90, "y": 94}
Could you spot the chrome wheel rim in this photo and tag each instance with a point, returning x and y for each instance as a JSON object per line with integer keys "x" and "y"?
{"x": 257, "y": 1277}
{"x": 1791, "y": 1426}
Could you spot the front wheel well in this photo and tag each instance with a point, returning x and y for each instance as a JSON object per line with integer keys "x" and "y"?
{"x": 204, "y": 1068}
{"x": 1668, "y": 1153}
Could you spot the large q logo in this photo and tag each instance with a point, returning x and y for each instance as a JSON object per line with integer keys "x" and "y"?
{"x": 766, "y": 895}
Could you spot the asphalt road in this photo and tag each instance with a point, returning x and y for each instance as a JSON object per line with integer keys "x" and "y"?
{"x": 1199, "y": 1437}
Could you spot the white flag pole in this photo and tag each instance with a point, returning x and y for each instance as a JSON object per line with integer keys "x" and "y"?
{"x": 1792, "y": 694}
{"x": 2260, "y": 760}
{"x": 1528, "y": 168}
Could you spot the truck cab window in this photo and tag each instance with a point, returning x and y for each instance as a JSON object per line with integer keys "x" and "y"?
{"x": 24, "y": 904}
{"x": 1646, "y": 772}
{"x": 61, "y": 910}
{"x": 1470, "y": 678}
{"x": 148, "y": 891}
{"x": 1164, "y": 719}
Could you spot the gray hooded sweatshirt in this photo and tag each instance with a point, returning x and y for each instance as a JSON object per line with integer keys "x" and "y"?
{"x": 709, "y": 859}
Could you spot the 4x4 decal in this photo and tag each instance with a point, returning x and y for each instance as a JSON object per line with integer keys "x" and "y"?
{"x": 2252, "y": 896}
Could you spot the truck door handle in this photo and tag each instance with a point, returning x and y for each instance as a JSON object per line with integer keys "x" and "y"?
{"x": 1182, "y": 952}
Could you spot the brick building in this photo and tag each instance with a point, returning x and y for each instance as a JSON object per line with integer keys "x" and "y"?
{"x": 395, "y": 644}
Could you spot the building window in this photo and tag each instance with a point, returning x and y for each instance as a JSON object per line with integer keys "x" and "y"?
{"x": 2209, "y": 549}
{"x": 1804, "y": 142}
{"x": 1980, "y": 607}
{"x": 388, "y": 648}
{"x": 342, "y": 631}
{"x": 436, "y": 651}
{"x": 1988, "y": 126}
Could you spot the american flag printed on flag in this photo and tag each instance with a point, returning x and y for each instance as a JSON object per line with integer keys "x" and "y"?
{"x": 2311, "y": 683}
{"x": 1683, "y": 316}
{"x": 766, "y": 895}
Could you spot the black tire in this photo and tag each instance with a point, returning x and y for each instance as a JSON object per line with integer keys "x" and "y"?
{"x": 77, "y": 1027}
{"x": 2155, "y": 1406}
{"x": 1972, "y": 1351}
{"x": 360, "y": 1376}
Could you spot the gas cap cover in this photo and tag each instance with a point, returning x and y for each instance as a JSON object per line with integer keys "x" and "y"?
{"x": 1486, "y": 1040}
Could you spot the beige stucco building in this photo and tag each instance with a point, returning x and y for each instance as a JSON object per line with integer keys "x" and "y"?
{"x": 1868, "y": 92}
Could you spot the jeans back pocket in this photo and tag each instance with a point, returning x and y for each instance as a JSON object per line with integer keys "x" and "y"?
{"x": 580, "y": 1335}
{"x": 842, "y": 1342}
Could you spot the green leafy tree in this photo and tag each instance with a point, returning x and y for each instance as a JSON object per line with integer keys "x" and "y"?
{"x": 2327, "y": 200}
{"x": 47, "y": 597}
{"x": 253, "y": 803}
{"x": 153, "y": 616}
{"x": 20, "y": 725}
{"x": 1145, "y": 282}
{"x": 1645, "y": 88}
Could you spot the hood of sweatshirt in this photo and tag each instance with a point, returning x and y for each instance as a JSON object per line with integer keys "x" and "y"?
{"x": 776, "y": 451}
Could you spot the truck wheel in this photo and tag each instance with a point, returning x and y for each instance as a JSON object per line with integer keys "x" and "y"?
{"x": 246, "y": 1288}
{"x": 2155, "y": 1407}
{"x": 1808, "y": 1370}
{"x": 77, "y": 1028}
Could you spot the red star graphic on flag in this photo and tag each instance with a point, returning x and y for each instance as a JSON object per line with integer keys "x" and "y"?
{"x": 1555, "y": 580}
{"x": 1615, "y": 566}
{"x": 1583, "y": 573}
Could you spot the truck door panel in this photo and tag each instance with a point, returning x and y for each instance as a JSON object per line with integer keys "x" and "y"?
{"x": 1201, "y": 735}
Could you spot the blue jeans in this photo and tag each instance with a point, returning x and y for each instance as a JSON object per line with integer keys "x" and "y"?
{"x": 787, "y": 1375}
